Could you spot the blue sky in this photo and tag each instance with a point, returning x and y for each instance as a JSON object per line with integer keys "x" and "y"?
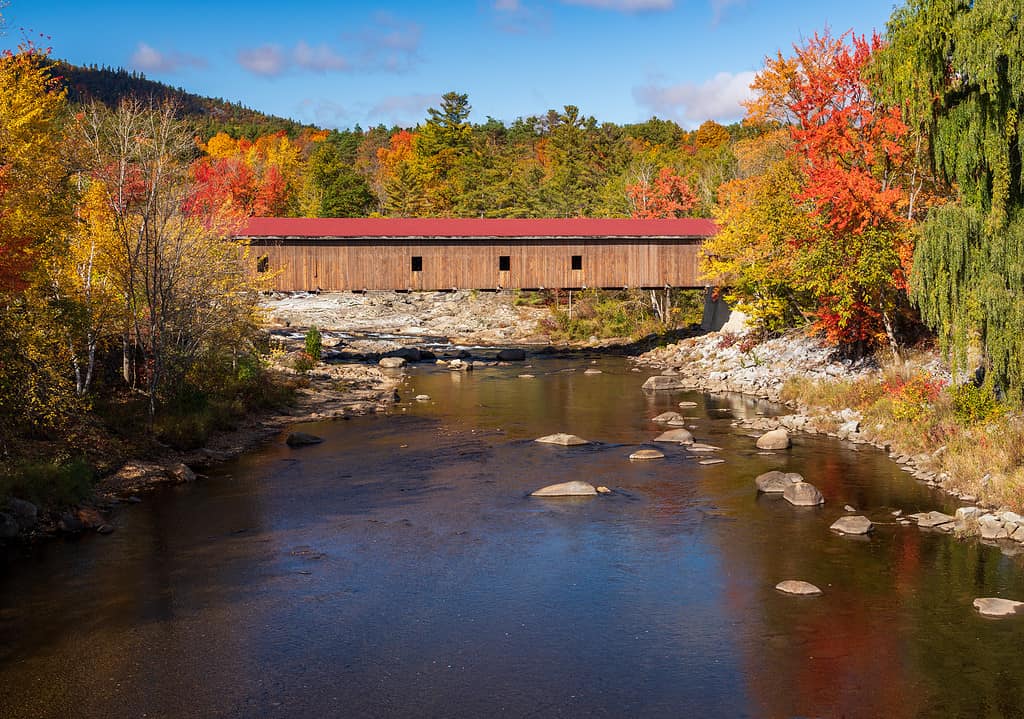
{"x": 338, "y": 64}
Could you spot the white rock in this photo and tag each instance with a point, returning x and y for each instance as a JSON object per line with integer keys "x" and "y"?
{"x": 856, "y": 524}
{"x": 796, "y": 586}
{"x": 601, "y": 489}
{"x": 775, "y": 439}
{"x": 667, "y": 417}
{"x": 711, "y": 461}
{"x": 679, "y": 436}
{"x": 591, "y": 370}
{"x": 996, "y": 607}
{"x": 423, "y": 398}
{"x": 776, "y": 481}
{"x": 642, "y": 454}
{"x": 561, "y": 438}
{"x": 803, "y": 494}
{"x": 391, "y": 362}
{"x": 575, "y": 488}
{"x": 928, "y": 520}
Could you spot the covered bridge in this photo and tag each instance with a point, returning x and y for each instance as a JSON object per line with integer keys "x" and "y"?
{"x": 447, "y": 253}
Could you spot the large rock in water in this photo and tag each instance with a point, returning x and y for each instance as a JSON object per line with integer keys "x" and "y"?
{"x": 391, "y": 362}
{"x": 566, "y": 440}
{"x": 776, "y": 481}
{"x": 511, "y": 355}
{"x": 302, "y": 439}
{"x": 661, "y": 382}
{"x": 803, "y": 494}
{"x": 776, "y": 439}
{"x": 795, "y": 586}
{"x": 576, "y": 488}
{"x": 641, "y": 454}
{"x": 679, "y": 436}
{"x": 996, "y": 607}
{"x": 855, "y": 524}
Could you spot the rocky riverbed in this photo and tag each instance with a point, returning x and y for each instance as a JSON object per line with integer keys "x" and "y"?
{"x": 461, "y": 316}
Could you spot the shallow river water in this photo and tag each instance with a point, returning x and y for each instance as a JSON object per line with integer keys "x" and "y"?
{"x": 400, "y": 569}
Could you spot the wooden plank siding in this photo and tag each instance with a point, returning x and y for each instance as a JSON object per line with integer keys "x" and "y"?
{"x": 375, "y": 263}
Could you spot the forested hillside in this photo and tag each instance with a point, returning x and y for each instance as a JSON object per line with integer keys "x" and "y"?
{"x": 210, "y": 115}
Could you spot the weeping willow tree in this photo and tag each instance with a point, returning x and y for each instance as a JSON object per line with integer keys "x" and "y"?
{"x": 957, "y": 69}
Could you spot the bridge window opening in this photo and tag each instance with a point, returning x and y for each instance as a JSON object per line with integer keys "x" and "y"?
{"x": 504, "y": 263}
{"x": 262, "y": 263}
{"x": 417, "y": 263}
{"x": 577, "y": 262}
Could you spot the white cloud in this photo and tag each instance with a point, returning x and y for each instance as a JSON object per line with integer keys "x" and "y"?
{"x": 267, "y": 60}
{"x": 318, "y": 59}
{"x": 389, "y": 44}
{"x": 149, "y": 59}
{"x": 720, "y": 7}
{"x": 507, "y": 5}
{"x": 402, "y": 109}
{"x": 625, "y": 5}
{"x": 718, "y": 98}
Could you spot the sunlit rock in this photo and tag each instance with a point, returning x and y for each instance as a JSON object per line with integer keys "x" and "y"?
{"x": 802, "y": 494}
{"x": 775, "y": 439}
{"x": 575, "y": 488}
{"x": 566, "y": 440}
{"x": 796, "y": 586}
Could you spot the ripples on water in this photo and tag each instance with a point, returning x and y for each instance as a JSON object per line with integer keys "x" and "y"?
{"x": 399, "y": 569}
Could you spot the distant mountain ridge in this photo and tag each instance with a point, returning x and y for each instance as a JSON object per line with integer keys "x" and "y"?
{"x": 212, "y": 115}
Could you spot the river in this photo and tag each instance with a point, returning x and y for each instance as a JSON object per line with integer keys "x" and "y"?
{"x": 400, "y": 569}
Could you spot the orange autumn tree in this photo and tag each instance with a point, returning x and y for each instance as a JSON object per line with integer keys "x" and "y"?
{"x": 838, "y": 228}
{"x": 851, "y": 151}
{"x": 668, "y": 195}
{"x": 238, "y": 178}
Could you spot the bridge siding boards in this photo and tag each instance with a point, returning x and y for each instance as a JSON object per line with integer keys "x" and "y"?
{"x": 354, "y": 255}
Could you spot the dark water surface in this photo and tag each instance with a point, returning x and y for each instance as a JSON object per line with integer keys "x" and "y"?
{"x": 400, "y": 570}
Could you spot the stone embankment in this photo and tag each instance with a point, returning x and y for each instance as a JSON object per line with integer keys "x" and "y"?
{"x": 717, "y": 363}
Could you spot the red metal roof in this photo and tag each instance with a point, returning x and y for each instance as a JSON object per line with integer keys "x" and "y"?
{"x": 473, "y": 227}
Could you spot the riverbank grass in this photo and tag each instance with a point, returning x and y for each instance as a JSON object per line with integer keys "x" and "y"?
{"x": 963, "y": 433}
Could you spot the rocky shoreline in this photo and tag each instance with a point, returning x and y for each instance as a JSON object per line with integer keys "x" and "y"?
{"x": 716, "y": 363}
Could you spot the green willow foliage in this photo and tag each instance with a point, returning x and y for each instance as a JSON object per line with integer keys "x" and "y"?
{"x": 957, "y": 69}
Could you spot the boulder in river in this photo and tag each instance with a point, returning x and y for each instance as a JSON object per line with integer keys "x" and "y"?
{"x": 796, "y": 586}
{"x": 8, "y": 526}
{"x": 776, "y": 481}
{"x": 24, "y": 513}
{"x": 575, "y": 488}
{"x": 647, "y": 454}
{"x": 775, "y": 439}
{"x": 854, "y": 524}
{"x": 661, "y": 382}
{"x": 666, "y": 417}
{"x": 996, "y": 607}
{"x": 409, "y": 354}
{"x": 423, "y": 398}
{"x": 679, "y": 436}
{"x": 803, "y": 494}
{"x": 302, "y": 439}
{"x": 182, "y": 472}
{"x": 592, "y": 370}
{"x": 930, "y": 520}
{"x": 566, "y": 440}
{"x": 512, "y": 354}
{"x": 391, "y": 362}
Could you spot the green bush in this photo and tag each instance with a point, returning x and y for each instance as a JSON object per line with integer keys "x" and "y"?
{"x": 314, "y": 343}
{"x": 54, "y": 483}
{"x": 973, "y": 404}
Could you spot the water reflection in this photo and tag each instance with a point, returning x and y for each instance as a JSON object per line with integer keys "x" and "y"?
{"x": 400, "y": 569}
